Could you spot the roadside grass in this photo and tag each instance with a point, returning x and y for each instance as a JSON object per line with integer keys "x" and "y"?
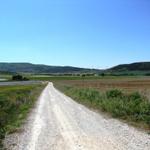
{"x": 15, "y": 103}
{"x": 132, "y": 107}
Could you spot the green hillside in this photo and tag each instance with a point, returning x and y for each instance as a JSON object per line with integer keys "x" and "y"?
{"x": 140, "y": 66}
{"x": 35, "y": 68}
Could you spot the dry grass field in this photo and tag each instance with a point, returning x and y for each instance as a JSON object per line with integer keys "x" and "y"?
{"x": 127, "y": 84}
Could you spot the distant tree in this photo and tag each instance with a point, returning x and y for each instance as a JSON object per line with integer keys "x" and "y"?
{"x": 147, "y": 74}
{"x": 19, "y": 78}
{"x": 25, "y": 79}
{"x": 83, "y": 75}
{"x": 102, "y": 74}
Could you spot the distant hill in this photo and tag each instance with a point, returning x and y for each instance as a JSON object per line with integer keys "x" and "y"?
{"x": 7, "y": 68}
{"x": 35, "y": 68}
{"x": 139, "y": 66}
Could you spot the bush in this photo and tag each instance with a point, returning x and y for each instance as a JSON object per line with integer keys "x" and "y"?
{"x": 135, "y": 96}
{"x": 19, "y": 78}
{"x": 114, "y": 94}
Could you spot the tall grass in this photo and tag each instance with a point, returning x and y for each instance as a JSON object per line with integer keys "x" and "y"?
{"x": 133, "y": 107}
{"x": 15, "y": 103}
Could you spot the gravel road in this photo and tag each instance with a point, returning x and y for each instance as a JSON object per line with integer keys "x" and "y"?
{"x": 59, "y": 123}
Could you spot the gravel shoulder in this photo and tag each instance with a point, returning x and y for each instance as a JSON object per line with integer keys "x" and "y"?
{"x": 59, "y": 123}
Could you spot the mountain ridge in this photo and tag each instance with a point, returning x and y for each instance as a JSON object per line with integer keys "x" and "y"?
{"x": 41, "y": 68}
{"x": 137, "y": 66}
{"x": 24, "y": 67}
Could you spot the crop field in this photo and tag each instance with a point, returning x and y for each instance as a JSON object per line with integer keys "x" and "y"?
{"x": 127, "y": 84}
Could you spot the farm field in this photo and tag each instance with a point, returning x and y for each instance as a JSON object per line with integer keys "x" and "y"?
{"x": 127, "y": 84}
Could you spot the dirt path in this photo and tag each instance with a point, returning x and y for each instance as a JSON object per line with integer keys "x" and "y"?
{"x": 59, "y": 123}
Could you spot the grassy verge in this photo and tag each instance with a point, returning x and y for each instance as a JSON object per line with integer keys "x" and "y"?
{"x": 133, "y": 107}
{"x": 15, "y": 103}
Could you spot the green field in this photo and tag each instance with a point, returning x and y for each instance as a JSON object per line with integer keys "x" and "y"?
{"x": 15, "y": 103}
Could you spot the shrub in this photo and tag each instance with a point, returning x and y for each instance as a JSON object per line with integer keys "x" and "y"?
{"x": 114, "y": 94}
{"x": 135, "y": 96}
{"x": 19, "y": 78}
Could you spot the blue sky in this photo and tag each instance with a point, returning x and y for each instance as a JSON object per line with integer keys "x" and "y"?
{"x": 83, "y": 33}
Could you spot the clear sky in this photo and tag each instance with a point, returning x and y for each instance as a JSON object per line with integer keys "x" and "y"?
{"x": 83, "y": 33}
